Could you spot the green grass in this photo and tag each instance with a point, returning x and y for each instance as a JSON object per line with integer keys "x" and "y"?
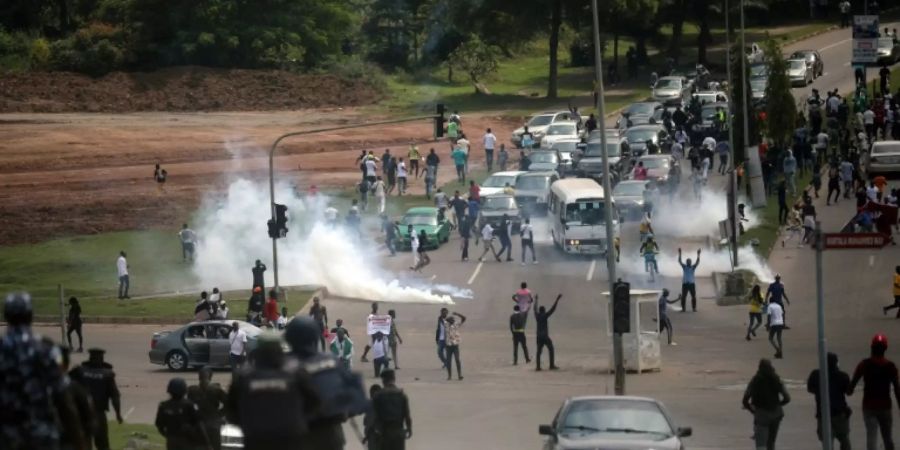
{"x": 767, "y": 231}
{"x": 119, "y": 435}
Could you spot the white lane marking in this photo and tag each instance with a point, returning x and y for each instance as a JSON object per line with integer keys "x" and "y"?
{"x": 833, "y": 44}
{"x": 846, "y": 64}
{"x": 871, "y": 260}
{"x": 590, "y": 274}
{"x": 128, "y": 413}
{"x": 475, "y": 274}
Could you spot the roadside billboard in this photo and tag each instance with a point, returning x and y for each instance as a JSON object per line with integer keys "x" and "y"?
{"x": 865, "y": 39}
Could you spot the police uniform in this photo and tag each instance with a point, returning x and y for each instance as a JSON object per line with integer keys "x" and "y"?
{"x": 81, "y": 399}
{"x": 100, "y": 381}
{"x": 178, "y": 420}
{"x": 210, "y": 401}
{"x": 391, "y": 407}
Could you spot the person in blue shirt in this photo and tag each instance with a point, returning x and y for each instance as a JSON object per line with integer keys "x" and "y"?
{"x": 776, "y": 294}
{"x": 459, "y": 160}
{"x": 664, "y": 321}
{"x": 687, "y": 281}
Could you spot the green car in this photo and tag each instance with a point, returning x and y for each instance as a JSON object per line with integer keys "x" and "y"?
{"x": 424, "y": 218}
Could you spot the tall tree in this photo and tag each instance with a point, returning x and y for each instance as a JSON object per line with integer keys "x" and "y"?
{"x": 476, "y": 59}
{"x": 781, "y": 111}
{"x": 555, "y": 23}
{"x": 737, "y": 103}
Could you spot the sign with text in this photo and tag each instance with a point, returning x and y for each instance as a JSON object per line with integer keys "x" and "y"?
{"x": 865, "y": 39}
{"x": 376, "y": 323}
{"x": 854, "y": 240}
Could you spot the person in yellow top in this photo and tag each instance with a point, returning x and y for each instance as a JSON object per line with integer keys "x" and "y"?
{"x": 414, "y": 160}
{"x": 896, "y": 293}
{"x": 509, "y": 190}
{"x": 757, "y": 302}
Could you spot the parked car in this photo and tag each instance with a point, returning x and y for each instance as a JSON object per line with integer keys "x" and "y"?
{"x": 888, "y": 50}
{"x": 590, "y": 165}
{"x": 708, "y": 113}
{"x": 428, "y": 219}
{"x": 663, "y": 169}
{"x": 232, "y": 437}
{"x": 559, "y": 130}
{"x": 755, "y": 54}
{"x": 533, "y": 190}
{"x": 671, "y": 90}
{"x": 495, "y": 183}
{"x": 629, "y": 197}
{"x": 636, "y": 138}
{"x": 493, "y": 207}
{"x": 710, "y": 96}
{"x": 538, "y": 124}
{"x": 198, "y": 344}
{"x": 566, "y": 148}
{"x": 759, "y": 70}
{"x": 544, "y": 160}
{"x": 883, "y": 157}
{"x": 813, "y": 61}
{"x": 799, "y": 72}
{"x": 758, "y": 91}
{"x": 636, "y": 109}
{"x": 613, "y": 422}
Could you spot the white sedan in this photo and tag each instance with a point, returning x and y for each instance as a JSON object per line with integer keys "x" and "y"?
{"x": 558, "y": 131}
{"x": 884, "y": 157}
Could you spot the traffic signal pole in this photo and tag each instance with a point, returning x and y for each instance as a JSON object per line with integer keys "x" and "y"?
{"x": 313, "y": 131}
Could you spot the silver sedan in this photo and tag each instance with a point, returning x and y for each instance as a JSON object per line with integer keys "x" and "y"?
{"x": 198, "y": 344}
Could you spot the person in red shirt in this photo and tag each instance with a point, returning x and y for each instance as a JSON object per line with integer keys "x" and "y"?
{"x": 878, "y": 374}
{"x": 271, "y": 309}
{"x": 474, "y": 191}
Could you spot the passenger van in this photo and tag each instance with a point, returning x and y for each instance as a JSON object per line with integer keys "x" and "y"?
{"x": 578, "y": 221}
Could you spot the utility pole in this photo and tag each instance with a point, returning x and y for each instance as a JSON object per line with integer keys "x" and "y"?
{"x": 824, "y": 397}
{"x": 618, "y": 355}
{"x": 732, "y": 177}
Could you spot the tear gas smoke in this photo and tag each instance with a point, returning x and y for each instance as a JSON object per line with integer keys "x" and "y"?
{"x": 689, "y": 217}
{"x": 232, "y": 233}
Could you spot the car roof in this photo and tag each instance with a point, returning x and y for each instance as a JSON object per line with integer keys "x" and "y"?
{"x": 796, "y": 59}
{"x": 543, "y": 173}
{"x": 508, "y": 173}
{"x": 715, "y": 105}
{"x": 499, "y": 195}
{"x": 629, "y": 398}
{"x": 421, "y": 210}
{"x": 804, "y": 52}
{"x": 889, "y": 146}
{"x": 660, "y": 156}
{"x": 645, "y": 126}
{"x": 672, "y": 77}
{"x": 708, "y": 92}
{"x": 567, "y": 139}
{"x": 565, "y": 122}
{"x": 624, "y": 182}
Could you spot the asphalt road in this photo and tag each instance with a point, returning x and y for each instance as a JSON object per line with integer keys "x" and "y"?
{"x": 499, "y": 405}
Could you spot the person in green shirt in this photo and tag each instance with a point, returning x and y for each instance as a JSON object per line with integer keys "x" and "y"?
{"x": 414, "y": 160}
{"x": 459, "y": 159}
{"x": 342, "y": 347}
{"x": 453, "y": 131}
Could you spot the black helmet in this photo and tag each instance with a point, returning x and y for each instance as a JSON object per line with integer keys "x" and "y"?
{"x": 302, "y": 334}
{"x": 268, "y": 351}
{"x": 17, "y": 309}
{"x": 177, "y": 387}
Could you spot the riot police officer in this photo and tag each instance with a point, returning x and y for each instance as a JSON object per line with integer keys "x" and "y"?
{"x": 210, "y": 400}
{"x": 178, "y": 420}
{"x": 340, "y": 391}
{"x": 271, "y": 403}
{"x": 81, "y": 399}
{"x": 33, "y": 392}
{"x": 100, "y": 380}
{"x": 391, "y": 408}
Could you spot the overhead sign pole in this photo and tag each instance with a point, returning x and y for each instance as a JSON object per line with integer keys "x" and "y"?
{"x": 824, "y": 397}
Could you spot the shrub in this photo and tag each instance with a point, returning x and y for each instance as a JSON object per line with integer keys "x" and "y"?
{"x": 39, "y": 54}
{"x": 94, "y": 50}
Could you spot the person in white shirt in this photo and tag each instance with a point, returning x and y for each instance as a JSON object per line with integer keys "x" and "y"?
{"x": 678, "y": 150}
{"x": 331, "y": 216}
{"x": 872, "y": 192}
{"x": 487, "y": 236}
{"x": 490, "y": 141}
{"x": 378, "y": 189}
{"x": 222, "y": 310}
{"x": 709, "y": 142}
{"x": 527, "y": 233}
{"x": 238, "y": 346}
{"x": 379, "y": 353}
{"x": 413, "y": 246}
{"x": 401, "y": 177}
{"x": 122, "y": 268}
{"x": 869, "y": 123}
{"x": 463, "y": 144}
{"x": 822, "y": 144}
{"x": 188, "y": 242}
{"x": 371, "y": 167}
{"x": 776, "y": 326}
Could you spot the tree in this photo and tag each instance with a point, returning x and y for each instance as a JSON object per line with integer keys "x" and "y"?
{"x": 737, "y": 103}
{"x": 476, "y": 59}
{"x": 781, "y": 111}
{"x": 555, "y": 23}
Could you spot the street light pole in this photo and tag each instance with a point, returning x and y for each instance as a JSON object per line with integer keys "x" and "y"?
{"x": 824, "y": 396}
{"x": 618, "y": 355}
{"x": 732, "y": 174}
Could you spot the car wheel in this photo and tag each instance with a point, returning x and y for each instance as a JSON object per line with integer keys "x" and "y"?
{"x": 176, "y": 360}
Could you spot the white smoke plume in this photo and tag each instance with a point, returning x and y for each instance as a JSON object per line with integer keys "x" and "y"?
{"x": 233, "y": 235}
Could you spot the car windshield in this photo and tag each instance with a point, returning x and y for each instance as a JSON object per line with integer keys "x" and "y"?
{"x": 615, "y": 416}
{"x": 628, "y": 189}
{"x": 533, "y": 183}
{"x": 640, "y": 135}
{"x": 796, "y": 64}
{"x": 802, "y": 55}
{"x": 705, "y": 98}
{"x": 595, "y": 149}
{"x": 561, "y": 129}
{"x": 668, "y": 83}
{"x": 505, "y": 202}
{"x": 499, "y": 181}
{"x": 708, "y": 113}
{"x": 539, "y": 121}
{"x": 419, "y": 219}
{"x": 544, "y": 157}
{"x": 644, "y": 109}
{"x": 759, "y": 70}
{"x": 565, "y": 146}
{"x": 655, "y": 163}
{"x": 758, "y": 85}
{"x": 585, "y": 213}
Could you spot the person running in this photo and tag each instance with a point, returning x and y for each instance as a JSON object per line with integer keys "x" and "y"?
{"x": 834, "y": 185}
{"x": 74, "y": 323}
{"x": 490, "y": 141}
{"x": 664, "y": 321}
{"x": 424, "y": 259}
{"x": 319, "y": 314}
{"x": 465, "y": 232}
{"x": 896, "y": 303}
{"x": 645, "y": 228}
{"x": 451, "y": 328}
{"x": 879, "y": 375}
{"x": 188, "y": 243}
{"x": 413, "y": 246}
{"x": 756, "y": 308}
{"x": 370, "y": 331}
{"x": 648, "y": 250}
{"x": 440, "y": 337}
{"x": 688, "y": 284}
{"x": 380, "y": 192}
{"x": 503, "y": 232}
{"x": 542, "y": 317}
{"x": 775, "y": 324}
{"x": 776, "y": 294}
{"x": 414, "y": 157}
{"x": 517, "y": 321}
{"x": 764, "y": 398}
{"x": 523, "y": 298}
{"x": 394, "y": 338}
{"x": 391, "y": 231}
{"x": 527, "y": 234}
{"x": 487, "y": 237}
{"x": 459, "y": 160}
{"x": 838, "y": 385}
{"x": 401, "y": 177}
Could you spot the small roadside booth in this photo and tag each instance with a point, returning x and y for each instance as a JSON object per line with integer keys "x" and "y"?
{"x": 640, "y": 347}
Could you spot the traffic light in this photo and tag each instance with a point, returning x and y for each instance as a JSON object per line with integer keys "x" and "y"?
{"x": 621, "y": 307}
{"x": 273, "y": 229}
{"x": 439, "y": 121}
{"x": 281, "y": 219}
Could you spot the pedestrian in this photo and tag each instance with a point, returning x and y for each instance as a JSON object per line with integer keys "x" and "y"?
{"x": 884, "y": 310}
{"x": 664, "y": 321}
{"x": 210, "y": 399}
{"x": 490, "y": 141}
{"x": 503, "y": 232}
{"x": 502, "y": 157}
{"x": 430, "y": 174}
{"x": 440, "y": 337}
{"x": 782, "y": 203}
{"x": 122, "y": 269}
{"x": 414, "y": 157}
{"x": 487, "y": 237}
{"x": 202, "y": 309}
{"x": 834, "y": 185}
{"x": 394, "y": 338}
{"x": 441, "y": 203}
{"x": 756, "y": 303}
{"x": 74, "y": 322}
{"x": 465, "y": 232}
{"x": 789, "y": 168}
{"x": 459, "y": 160}
{"x": 775, "y": 325}
{"x": 391, "y": 231}
{"x": 100, "y": 381}
{"x": 451, "y": 328}
{"x": 270, "y": 311}
{"x": 379, "y": 190}
{"x": 160, "y": 175}
{"x": 776, "y": 293}
{"x": 371, "y": 438}
{"x": 424, "y": 259}
{"x": 542, "y": 317}
{"x": 255, "y": 306}
{"x": 844, "y": 7}
{"x": 413, "y": 246}
{"x": 879, "y": 375}
{"x": 342, "y": 347}
{"x": 393, "y": 422}
{"x": 390, "y": 171}
{"x": 319, "y": 315}
{"x": 687, "y": 281}
{"x": 527, "y": 234}
{"x": 517, "y": 321}
{"x": 363, "y": 188}
{"x": 258, "y": 270}
{"x": 237, "y": 339}
{"x": 453, "y": 131}
{"x": 402, "y": 177}
{"x": 371, "y": 163}
{"x": 433, "y": 160}
{"x": 838, "y": 385}
{"x": 380, "y": 355}
{"x": 524, "y": 161}
{"x": 188, "y": 242}
{"x": 282, "y": 319}
{"x": 764, "y": 398}
{"x": 523, "y": 298}
{"x": 178, "y": 420}
{"x": 459, "y": 206}
{"x": 370, "y": 330}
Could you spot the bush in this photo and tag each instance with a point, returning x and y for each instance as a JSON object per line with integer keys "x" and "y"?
{"x": 14, "y": 50}
{"x": 39, "y": 54}
{"x": 355, "y": 68}
{"x": 94, "y": 50}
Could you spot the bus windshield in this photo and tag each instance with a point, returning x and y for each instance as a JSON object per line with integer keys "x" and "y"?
{"x": 585, "y": 213}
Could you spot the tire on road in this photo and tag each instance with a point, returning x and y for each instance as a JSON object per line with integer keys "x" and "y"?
{"x": 176, "y": 360}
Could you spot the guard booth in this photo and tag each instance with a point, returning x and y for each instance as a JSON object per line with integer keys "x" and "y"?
{"x": 640, "y": 347}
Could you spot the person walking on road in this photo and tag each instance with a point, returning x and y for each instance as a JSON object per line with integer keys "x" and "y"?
{"x": 394, "y": 338}
{"x": 764, "y": 398}
{"x": 380, "y": 192}
{"x": 74, "y": 323}
{"x": 122, "y": 269}
{"x": 413, "y": 247}
{"x": 756, "y": 308}
{"x": 879, "y": 375}
{"x": 451, "y": 328}
{"x": 424, "y": 259}
{"x": 459, "y": 160}
{"x": 542, "y": 317}
{"x": 319, "y": 314}
{"x": 487, "y": 237}
{"x": 465, "y": 233}
{"x": 380, "y": 352}
{"x": 523, "y": 298}
{"x": 100, "y": 380}
{"x": 776, "y": 294}
{"x": 838, "y": 385}
{"x": 664, "y": 322}
{"x": 789, "y": 168}
{"x": 392, "y": 420}
{"x": 440, "y": 337}
{"x": 775, "y": 325}
{"x": 503, "y": 232}
{"x": 781, "y": 191}
{"x": 391, "y": 231}
{"x": 342, "y": 347}
{"x": 517, "y": 321}
{"x": 896, "y": 303}
{"x": 688, "y": 284}
{"x": 527, "y": 233}
{"x": 490, "y": 141}
{"x": 402, "y": 177}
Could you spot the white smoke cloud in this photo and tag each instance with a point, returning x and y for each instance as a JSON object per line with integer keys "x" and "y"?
{"x": 233, "y": 235}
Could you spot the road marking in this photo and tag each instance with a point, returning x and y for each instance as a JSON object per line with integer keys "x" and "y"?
{"x": 475, "y": 274}
{"x": 846, "y": 64}
{"x": 834, "y": 44}
{"x": 128, "y": 413}
{"x": 590, "y": 274}
{"x": 871, "y": 260}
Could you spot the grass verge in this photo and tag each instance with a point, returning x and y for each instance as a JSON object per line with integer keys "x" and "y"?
{"x": 767, "y": 232}
{"x": 146, "y": 436}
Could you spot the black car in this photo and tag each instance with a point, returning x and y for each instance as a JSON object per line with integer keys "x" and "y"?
{"x": 590, "y": 163}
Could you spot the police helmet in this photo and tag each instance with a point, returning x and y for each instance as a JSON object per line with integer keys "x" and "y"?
{"x": 17, "y": 309}
{"x": 268, "y": 351}
{"x": 177, "y": 387}
{"x": 302, "y": 334}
